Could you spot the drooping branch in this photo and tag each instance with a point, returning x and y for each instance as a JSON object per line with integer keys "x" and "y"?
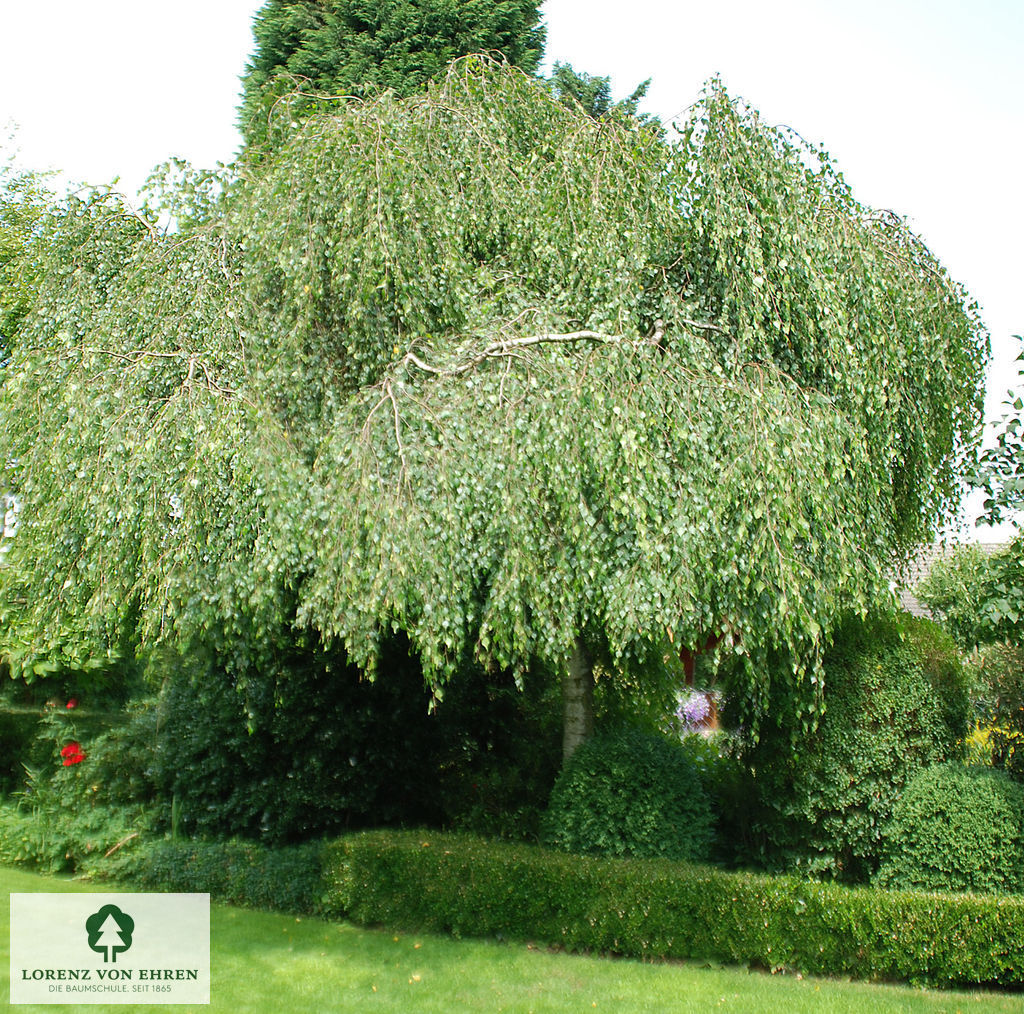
{"x": 504, "y": 347}
{"x": 702, "y": 326}
{"x": 508, "y": 346}
{"x": 136, "y": 356}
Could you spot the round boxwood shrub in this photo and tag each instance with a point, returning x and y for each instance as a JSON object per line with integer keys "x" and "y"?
{"x": 956, "y": 829}
{"x": 630, "y": 793}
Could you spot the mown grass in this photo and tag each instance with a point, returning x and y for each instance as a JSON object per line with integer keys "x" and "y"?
{"x": 265, "y": 963}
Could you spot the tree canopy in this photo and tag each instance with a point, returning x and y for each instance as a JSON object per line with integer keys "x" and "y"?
{"x": 355, "y": 47}
{"x": 477, "y": 367}
{"x": 22, "y": 201}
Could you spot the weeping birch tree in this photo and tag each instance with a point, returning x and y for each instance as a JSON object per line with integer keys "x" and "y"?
{"x": 531, "y": 388}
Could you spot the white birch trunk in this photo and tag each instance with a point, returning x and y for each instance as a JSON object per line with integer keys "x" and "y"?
{"x": 577, "y": 700}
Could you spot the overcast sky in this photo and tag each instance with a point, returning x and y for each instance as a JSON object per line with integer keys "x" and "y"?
{"x": 919, "y": 101}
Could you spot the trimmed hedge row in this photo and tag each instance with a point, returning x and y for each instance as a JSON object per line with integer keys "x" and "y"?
{"x": 660, "y": 909}
{"x": 284, "y": 879}
{"x": 653, "y": 908}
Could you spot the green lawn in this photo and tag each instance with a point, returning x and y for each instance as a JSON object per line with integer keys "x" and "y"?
{"x": 263, "y": 962}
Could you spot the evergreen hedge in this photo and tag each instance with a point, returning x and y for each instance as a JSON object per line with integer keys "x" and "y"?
{"x": 283, "y": 879}
{"x": 662, "y": 909}
{"x": 651, "y": 909}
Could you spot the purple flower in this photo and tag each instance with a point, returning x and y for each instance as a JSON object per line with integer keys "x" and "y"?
{"x": 695, "y": 709}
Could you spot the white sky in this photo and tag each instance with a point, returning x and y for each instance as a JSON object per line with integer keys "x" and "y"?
{"x": 919, "y": 101}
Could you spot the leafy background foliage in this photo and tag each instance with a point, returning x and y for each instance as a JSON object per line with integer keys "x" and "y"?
{"x": 896, "y": 701}
{"x": 23, "y": 198}
{"x": 956, "y": 591}
{"x": 593, "y": 92}
{"x": 999, "y": 671}
{"x": 1000, "y": 468}
{"x": 978, "y": 595}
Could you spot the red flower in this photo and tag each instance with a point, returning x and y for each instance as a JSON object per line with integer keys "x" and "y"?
{"x": 73, "y": 703}
{"x": 72, "y": 754}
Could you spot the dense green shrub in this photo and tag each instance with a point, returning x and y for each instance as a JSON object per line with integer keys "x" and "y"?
{"x": 497, "y": 750}
{"x": 307, "y": 746}
{"x": 941, "y": 663}
{"x": 122, "y": 758}
{"x": 630, "y": 793}
{"x": 895, "y": 701}
{"x": 303, "y": 747}
{"x": 727, "y": 785}
{"x": 17, "y": 730}
{"x": 956, "y": 829}
{"x": 285, "y": 879}
{"x": 660, "y": 909}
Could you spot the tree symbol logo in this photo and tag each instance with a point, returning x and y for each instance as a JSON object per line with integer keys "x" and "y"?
{"x": 110, "y": 931}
